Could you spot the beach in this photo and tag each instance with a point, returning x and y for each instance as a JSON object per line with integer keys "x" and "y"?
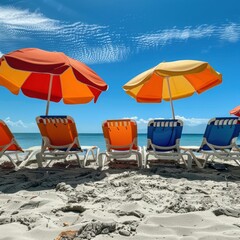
{"x": 110, "y": 80}
{"x": 163, "y": 202}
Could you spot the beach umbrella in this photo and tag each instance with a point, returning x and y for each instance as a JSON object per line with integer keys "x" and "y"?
{"x": 236, "y": 111}
{"x": 172, "y": 80}
{"x": 50, "y": 76}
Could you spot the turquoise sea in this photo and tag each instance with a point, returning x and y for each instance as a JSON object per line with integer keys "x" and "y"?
{"x": 27, "y": 140}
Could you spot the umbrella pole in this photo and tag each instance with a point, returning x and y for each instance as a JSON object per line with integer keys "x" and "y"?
{"x": 49, "y": 93}
{"x": 170, "y": 95}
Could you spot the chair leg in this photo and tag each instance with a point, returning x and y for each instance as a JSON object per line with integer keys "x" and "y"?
{"x": 26, "y": 160}
{"x": 97, "y": 153}
{"x": 78, "y": 160}
{"x": 94, "y": 152}
{"x": 139, "y": 159}
{"x": 94, "y": 155}
{"x": 13, "y": 162}
{"x": 143, "y": 156}
{"x": 31, "y": 153}
{"x": 85, "y": 157}
{"x": 146, "y": 160}
{"x": 194, "y": 158}
{"x": 101, "y": 160}
{"x": 188, "y": 163}
{"x": 237, "y": 161}
{"x": 39, "y": 159}
{"x": 205, "y": 161}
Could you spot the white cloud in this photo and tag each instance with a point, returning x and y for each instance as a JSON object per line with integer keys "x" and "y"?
{"x": 191, "y": 122}
{"x": 140, "y": 121}
{"x": 102, "y": 54}
{"x": 93, "y": 43}
{"x": 190, "y": 125}
{"x": 18, "y": 18}
{"x": 231, "y": 32}
{"x": 19, "y": 125}
{"x": 228, "y": 32}
{"x": 162, "y": 37}
{"x": 89, "y": 43}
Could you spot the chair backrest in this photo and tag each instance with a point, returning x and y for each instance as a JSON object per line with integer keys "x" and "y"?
{"x": 7, "y": 138}
{"x": 120, "y": 134}
{"x": 222, "y": 132}
{"x": 164, "y": 133}
{"x": 60, "y": 130}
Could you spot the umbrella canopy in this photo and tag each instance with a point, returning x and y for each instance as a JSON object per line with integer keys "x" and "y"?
{"x": 50, "y": 76}
{"x": 236, "y": 111}
{"x": 172, "y": 80}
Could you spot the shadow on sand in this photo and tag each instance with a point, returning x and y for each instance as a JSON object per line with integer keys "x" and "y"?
{"x": 48, "y": 178}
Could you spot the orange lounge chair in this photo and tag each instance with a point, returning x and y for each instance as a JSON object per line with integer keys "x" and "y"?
{"x": 60, "y": 140}
{"x": 12, "y": 150}
{"x": 121, "y": 141}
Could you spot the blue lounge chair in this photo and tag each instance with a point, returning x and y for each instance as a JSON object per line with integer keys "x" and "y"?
{"x": 219, "y": 141}
{"x": 163, "y": 142}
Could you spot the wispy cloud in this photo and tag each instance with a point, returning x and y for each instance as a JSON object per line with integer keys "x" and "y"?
{"x": 89, "y": 43}
{"x": 102, "y": 54}
{"x": 230, "y": 32}
{"x": 18, "y": 24}
{"x": 18, "y": 18}
{"x": 227, "y": 32}
{"x": 190, "y": 122}
{"x": 94, "y": 43}
{"x": 165, "y": 36}
{"x": 139, "y": 120}
{"x": 19, "y": 125}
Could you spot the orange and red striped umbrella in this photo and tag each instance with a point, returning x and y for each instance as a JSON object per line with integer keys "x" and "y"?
{"x": 172, "y": 80}
{"x": 51, "y": 76}
{"x": 236, "y": 111}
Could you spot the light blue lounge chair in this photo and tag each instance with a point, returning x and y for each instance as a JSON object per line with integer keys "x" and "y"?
{"x": 219, "y": 141}
{"x": 163, "y": 142}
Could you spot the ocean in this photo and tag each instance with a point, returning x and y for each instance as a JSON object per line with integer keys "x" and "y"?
{"x": 27, "y": 140}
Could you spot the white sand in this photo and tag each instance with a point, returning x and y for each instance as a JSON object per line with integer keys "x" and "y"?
{"x": 159, "y": 203}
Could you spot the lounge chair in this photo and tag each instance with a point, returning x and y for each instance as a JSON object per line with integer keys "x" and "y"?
{"x": 10, "y": 148}
{"x": 121, "y": 142}
{"x": 60, "y": 141}
{"x": 219, "y": 141}
{"x": 163, "y": 142}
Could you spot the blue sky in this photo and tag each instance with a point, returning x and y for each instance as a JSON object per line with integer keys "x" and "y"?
{"x": 120, "y": 39}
